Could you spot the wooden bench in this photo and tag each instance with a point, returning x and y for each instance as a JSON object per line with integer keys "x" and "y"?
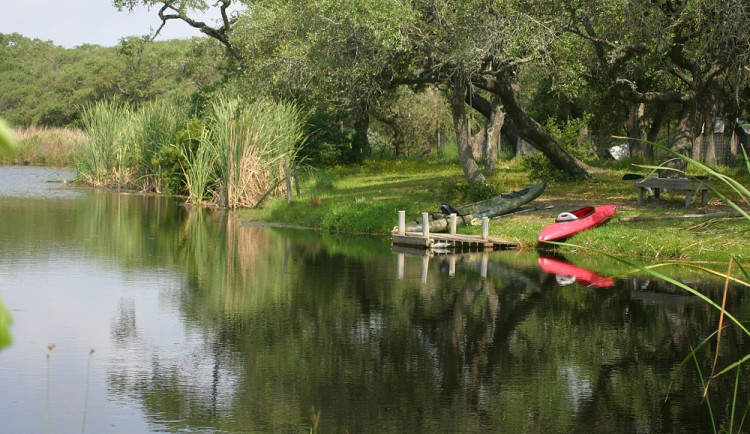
{"x": 689, "y": 186}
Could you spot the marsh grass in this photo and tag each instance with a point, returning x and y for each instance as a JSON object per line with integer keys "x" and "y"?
{"x": 251, "y": 143}
{"x": 238, "y": 158}
{"x": 46, "y": 146}
{"x": 200, "y": 170}
{"x": 102, "y": 160}
{"x": 153, "y": 127}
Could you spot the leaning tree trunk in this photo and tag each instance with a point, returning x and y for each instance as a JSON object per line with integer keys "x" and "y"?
{"x": 507, "y": 88}
{"x": 463, "y": 137}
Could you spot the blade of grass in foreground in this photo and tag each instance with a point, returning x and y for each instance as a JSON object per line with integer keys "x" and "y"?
{"x": 720, "y": 327}
{"x": 703, "y": 384}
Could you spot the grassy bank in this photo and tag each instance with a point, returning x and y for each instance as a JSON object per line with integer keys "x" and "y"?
{"x": 367, "y": 198}
{"x": 43, "y": 146}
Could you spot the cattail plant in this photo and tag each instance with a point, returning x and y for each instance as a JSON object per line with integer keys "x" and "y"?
{"x": 153, "y": 127}
{"x": 101, "y": 160}
{"x": 252, "y": 142}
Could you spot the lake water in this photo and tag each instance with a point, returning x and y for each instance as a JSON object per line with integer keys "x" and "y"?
{"x": 132, "y": 313}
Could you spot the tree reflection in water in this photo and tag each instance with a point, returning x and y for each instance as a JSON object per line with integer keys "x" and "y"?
{"x": 287, "y": 321}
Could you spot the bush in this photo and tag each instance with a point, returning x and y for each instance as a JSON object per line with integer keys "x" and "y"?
{"x": 568, "y": 135}
{"x": 463, "y": 193}
{"x": 173, "y": 159}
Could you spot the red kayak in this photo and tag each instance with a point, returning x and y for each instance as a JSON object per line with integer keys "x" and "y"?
{"x": 568, "y": 224}
{"x": 580, "y": 275}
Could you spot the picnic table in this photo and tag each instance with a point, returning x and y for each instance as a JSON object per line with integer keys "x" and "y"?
{"x": 688, "y": 185}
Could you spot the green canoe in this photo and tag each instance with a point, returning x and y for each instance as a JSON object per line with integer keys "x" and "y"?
{"x": 502, "y": 204}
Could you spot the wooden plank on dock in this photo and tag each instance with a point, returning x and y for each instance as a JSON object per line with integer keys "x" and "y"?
{"x": 456, "y": 242}
{"x": 450, "y": 241}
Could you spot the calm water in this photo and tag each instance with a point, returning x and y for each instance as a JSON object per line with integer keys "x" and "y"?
{"x": 166, "y": 319}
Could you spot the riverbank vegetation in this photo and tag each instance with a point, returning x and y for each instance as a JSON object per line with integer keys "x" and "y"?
{"x": 367, "y": 198}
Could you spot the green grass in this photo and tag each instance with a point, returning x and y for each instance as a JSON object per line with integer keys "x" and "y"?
{"x": 42, "y": 146}
{"x": 366, "y": 199}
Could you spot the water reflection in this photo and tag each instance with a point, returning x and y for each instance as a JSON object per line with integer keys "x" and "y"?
{"x": 567, "y": 273}
{"x": 204, "y": 322}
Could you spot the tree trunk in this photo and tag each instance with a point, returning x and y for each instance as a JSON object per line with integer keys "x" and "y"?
{"x": 653, "y": 131}
{"x": 635, "y": 129}
{"x": 494, "y": 137}
{"x": 693, "y": 120}
{"x": 507, "y": 88}
{"x": 398, "y": 134}
{"x": 708, "y": 144}
{"x": 360, "y": 142}
{"x": 461, "y": 125}
{"x": 682, "y": 142}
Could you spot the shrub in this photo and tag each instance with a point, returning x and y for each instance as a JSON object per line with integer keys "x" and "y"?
{"x": 568, "y": 136}
{"x": 464, "y": 193}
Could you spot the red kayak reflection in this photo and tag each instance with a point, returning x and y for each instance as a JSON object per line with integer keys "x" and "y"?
{"x": 567, "y": 273}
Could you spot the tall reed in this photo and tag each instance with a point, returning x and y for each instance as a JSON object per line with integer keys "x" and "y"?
{"x": 252, "y": 142}
{"x": 153, "y": 127}
{"x": 101, "y": 160}
{"x": 200, "y": 170}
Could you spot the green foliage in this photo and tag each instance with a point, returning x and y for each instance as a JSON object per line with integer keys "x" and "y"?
{"x": 154, "y": 127}
{"x": 461, "y": 192}
{"x": 327, "y": 144}
{"x": 101, "y": 160}
{"x": 171, "y": 163}
{"x": 174, "y": 158}
{"x": 570, "y": 137}
{"x": 540, "y": 168}
{"x": 5, "y": 320}
{"x": 43, "y": 84}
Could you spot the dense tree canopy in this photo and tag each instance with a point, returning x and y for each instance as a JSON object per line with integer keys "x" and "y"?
{"x": 43, "y": 84}
{"x": 630, "y": 66}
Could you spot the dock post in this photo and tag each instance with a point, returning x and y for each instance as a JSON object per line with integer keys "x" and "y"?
{"x": 453, "y": 221}
{"x": 425, "y": 225}
{"x": 485, "y": 228}
{"x": 401, "y": 222}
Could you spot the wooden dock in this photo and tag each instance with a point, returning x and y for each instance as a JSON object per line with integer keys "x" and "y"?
{"x": 450, "y": 242}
